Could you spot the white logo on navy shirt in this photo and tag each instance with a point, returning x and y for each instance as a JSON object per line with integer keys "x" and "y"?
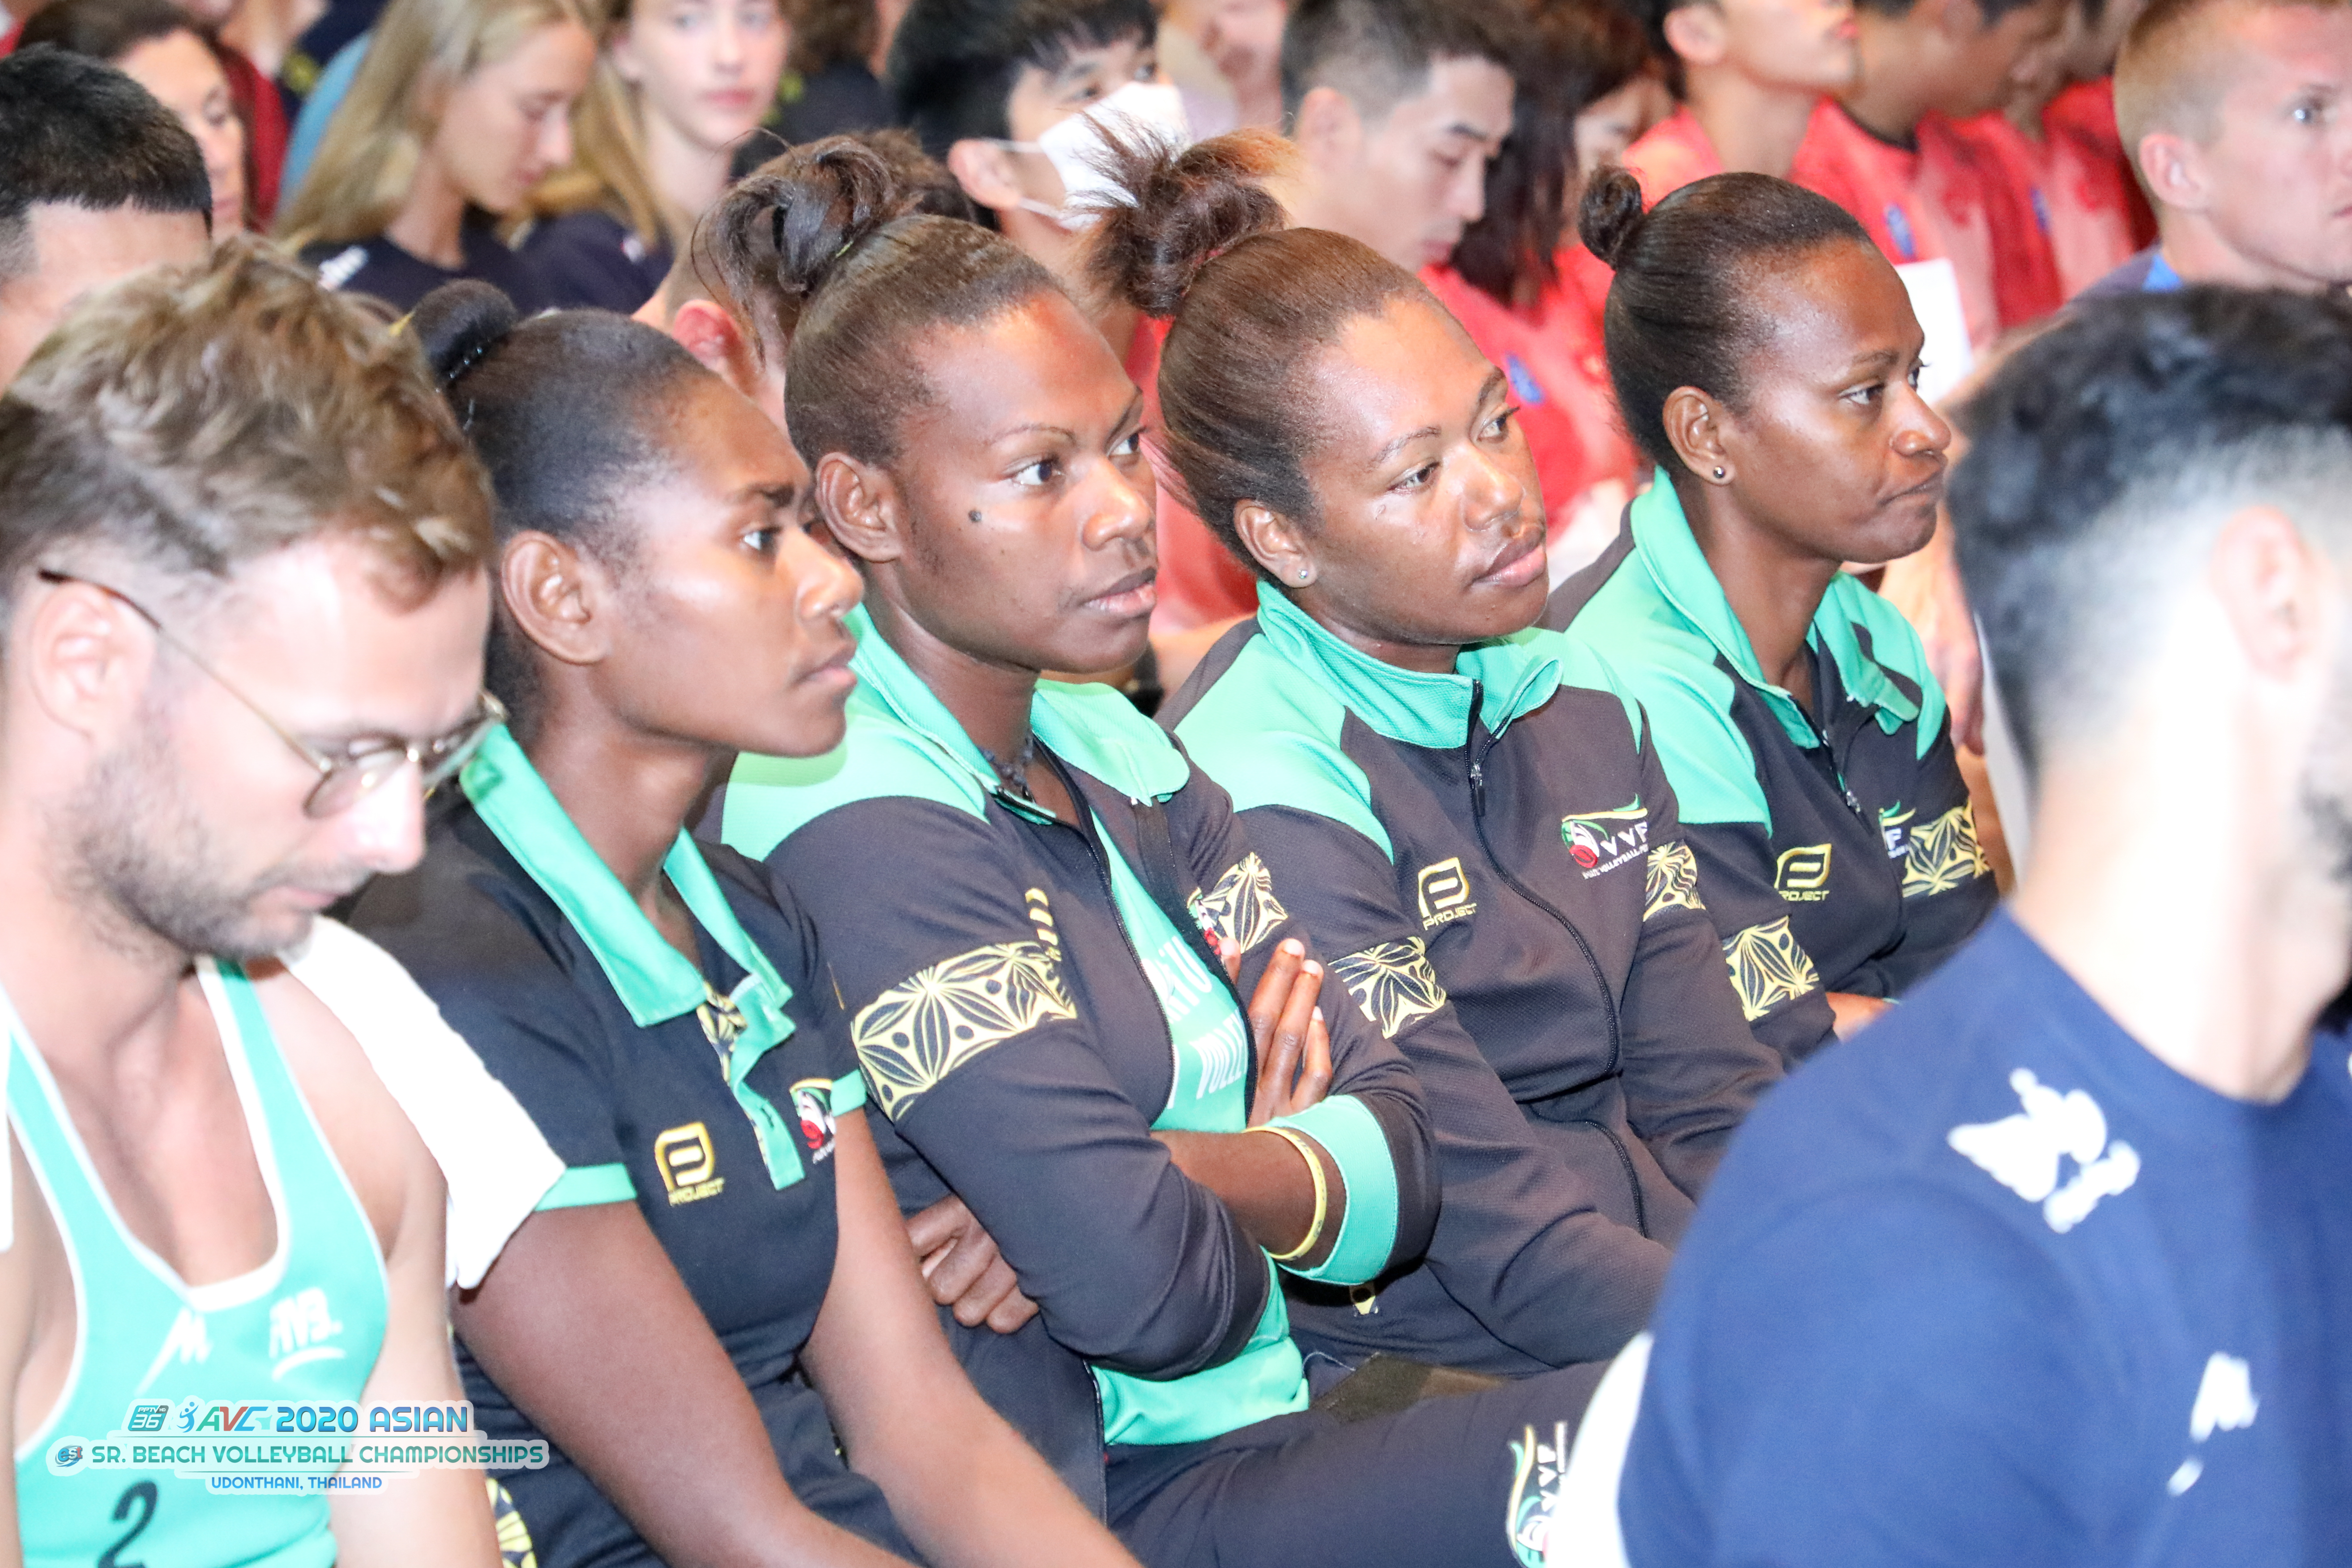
{"x": 341, "y": 268}
{"x": 2024, "y": 1153}
{"x": 2225, "y": 1403}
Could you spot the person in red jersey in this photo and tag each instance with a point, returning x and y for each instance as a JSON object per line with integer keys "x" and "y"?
{"x": 1887, "y": 151}
{"x": 1752, "y": 71}
{"x": 1506, "y": 283}
{"x": 2058, "y": 133}
{"x": 1749, "y": 74}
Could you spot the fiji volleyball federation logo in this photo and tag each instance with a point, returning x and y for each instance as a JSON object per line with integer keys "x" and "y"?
{"x": 1600, "y": 841}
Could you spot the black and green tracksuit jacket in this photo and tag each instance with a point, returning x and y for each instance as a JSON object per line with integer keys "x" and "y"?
{"x": 1836, "y": 848}
{"x": 1496, "y": 854}
{"x": 1026, "y": 1014}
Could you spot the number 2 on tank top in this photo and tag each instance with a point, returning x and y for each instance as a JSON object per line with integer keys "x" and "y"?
{"x": 138, "y": 1496}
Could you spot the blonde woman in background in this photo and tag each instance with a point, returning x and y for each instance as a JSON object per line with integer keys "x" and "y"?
{"x": 677, "y": 84}
{"x": 459, "y": 110}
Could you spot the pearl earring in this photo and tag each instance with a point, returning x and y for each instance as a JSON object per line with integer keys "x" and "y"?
{"x": 1718, "y": 473}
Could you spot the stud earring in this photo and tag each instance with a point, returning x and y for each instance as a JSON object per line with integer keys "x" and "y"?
{"x": 975, "y": 516}
{"x": 1718, "y": 473}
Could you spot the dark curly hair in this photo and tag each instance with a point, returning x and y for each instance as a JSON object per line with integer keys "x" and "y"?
{"x": 737, "y": 251}
{"x": 855, "y": 271}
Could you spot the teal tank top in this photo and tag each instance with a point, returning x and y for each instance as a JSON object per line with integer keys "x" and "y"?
{"x": 305, "y": 1326}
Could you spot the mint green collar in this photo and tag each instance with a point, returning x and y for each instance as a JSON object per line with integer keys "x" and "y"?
{"x": 1514, "y": 675}
{"x": 1090, "y": 726}
{"x": 1679, "y": 568}
{"x": 653, "y": 980}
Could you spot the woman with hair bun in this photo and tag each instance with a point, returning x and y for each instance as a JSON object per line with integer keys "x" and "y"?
{"x": 1767, "y": 360}
{"x": 715, "y": 1300}
{"x": 725, "y": 300}
{"x": 1472, "y": 813}
{"x": 1043, "y": 922}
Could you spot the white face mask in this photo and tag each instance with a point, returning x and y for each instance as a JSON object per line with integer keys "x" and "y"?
{"x": 1145, "y": 109}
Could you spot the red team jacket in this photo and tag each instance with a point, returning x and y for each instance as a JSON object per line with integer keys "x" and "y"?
{"x": 1954, "y": 195}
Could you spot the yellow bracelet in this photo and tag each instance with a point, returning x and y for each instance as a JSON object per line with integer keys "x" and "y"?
{"x": 1306, "y": 1147}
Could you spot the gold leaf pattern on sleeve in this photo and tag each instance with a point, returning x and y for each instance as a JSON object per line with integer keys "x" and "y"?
{"x": 1769, "y": 968}
{"x": 923, "y": 1028}
{"x": 1394, "y": 983}
{"x": 1670, "y": 880}
{"x": 1944, "y": 855}
{"x": 1241, "y": 909}
{"x": 515, "y": 1549}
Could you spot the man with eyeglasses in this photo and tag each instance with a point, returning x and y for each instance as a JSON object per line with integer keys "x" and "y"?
{"x": 243, "y": 598}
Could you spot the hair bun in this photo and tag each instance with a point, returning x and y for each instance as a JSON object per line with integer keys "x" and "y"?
{"x": 458, "y": 324}
{"x": 1182, "y": 210}
{"x": 1609, "y": 215}
{"x": 838, "y": 196}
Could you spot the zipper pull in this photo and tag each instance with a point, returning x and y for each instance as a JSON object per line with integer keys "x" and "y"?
{"x": 1470, "y": 754}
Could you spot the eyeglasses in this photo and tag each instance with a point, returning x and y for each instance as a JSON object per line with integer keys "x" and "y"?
{"x": 343, "y": 780}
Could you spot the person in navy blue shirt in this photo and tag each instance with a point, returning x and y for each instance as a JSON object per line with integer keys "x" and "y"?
{"x": 2053, "y": 1265}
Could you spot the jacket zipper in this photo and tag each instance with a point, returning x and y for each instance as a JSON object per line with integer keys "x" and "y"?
{"x": 1478, "y": 815}
{"x": 1476, "y": 762}
{"x": 1838, "y": 766}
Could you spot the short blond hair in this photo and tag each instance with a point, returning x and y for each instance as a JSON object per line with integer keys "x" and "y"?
{"x": 418, "y": 54}
{"x": 2175, "y": 65}
{"x": 190, "y": 420}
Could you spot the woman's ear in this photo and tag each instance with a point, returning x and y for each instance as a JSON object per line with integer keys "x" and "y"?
{"x": 557, "y": 597}
{"x": 861, "y": 508}
{"x": 1695, "y": 428}
{"x": 1275, "y": 543}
